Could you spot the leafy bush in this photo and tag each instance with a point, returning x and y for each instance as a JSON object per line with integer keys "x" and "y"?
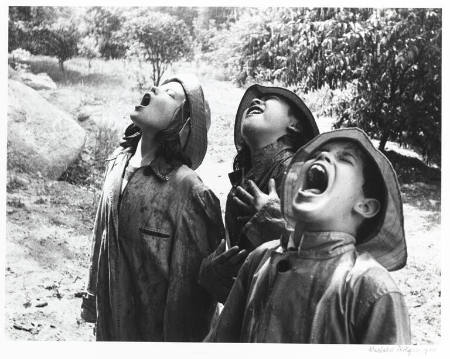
{"x": 43, "y": 30}
{"x": 89, "y": 167}
{"x": 387, "y": 60}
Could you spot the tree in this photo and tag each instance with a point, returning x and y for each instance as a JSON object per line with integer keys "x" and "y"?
{"x": 89, "y": 48}
{"x": 44, "y": 30}
{"x": 390, "y": 58}
{"x": 156, "y": 37}
{"x": 60, "y": 40}
{"x": 24, "y": 23}
{"x": 104, "y": 24}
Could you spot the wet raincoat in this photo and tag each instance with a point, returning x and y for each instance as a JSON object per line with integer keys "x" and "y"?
{"x": 328, "y": 290}
{"x": 148, "y": 244}
{"x": 248, "y": 232}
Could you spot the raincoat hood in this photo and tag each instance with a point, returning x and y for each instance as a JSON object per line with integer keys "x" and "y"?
{"x": 200, "y": 117}
{"x": 386, "y": 243}
{"x": 308, "y": 123}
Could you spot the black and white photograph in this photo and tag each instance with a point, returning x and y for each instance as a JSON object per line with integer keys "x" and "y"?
{"x": 225, "y": 173}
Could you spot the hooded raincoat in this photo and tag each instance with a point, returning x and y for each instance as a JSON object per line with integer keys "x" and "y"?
{"x": 148, "y": 244}
{"x": 329, "y": 290}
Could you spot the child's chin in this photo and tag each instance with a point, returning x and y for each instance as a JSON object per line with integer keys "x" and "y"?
{"x": 306, "y": 212}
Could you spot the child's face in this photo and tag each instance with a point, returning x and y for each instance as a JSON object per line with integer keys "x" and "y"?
{"x": 330, "y": 188}
{"x": 267, "y": 116}
{"x": 158, "y": 107}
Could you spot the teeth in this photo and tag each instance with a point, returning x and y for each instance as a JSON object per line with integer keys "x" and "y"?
{"x": 254, "y": 110}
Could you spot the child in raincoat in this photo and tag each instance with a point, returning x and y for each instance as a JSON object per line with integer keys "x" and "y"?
{"x": 271, "y": 124}
{"x": 329, "y": 281}
{"x": 155, "y": 223}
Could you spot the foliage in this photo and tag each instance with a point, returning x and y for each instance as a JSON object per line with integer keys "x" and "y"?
{"x": 89, "y": 48}
{"x": 59, "y": 40}
{"x": 44, "y": 30}
{"x": 158, "y": 38}
{"x": 389, "y": 60}
{"x": 104, "y": 24}
{"x": 185, "y": 13}
{"x": 225, "y": 44}
{"x": 22, "y": 23}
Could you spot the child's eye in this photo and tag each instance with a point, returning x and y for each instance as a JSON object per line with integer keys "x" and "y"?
{"x": 346, "y": 158}
{"x": 171, "y": 93}
{"x": 270, "y": 97}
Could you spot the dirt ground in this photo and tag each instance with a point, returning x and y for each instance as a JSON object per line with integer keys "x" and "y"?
{"x": 49, "y": 224}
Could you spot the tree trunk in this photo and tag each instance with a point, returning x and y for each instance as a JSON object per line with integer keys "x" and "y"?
{"x": 61, "y": 65}
{"x": 384, "y": 138}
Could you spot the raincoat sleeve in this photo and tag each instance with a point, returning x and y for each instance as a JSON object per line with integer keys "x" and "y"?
{"x": 88, "y": 304}
{"x": 228, "y": 326}
{"x": 380, "y": 314}
{"x": 386, "y": 321}
{"x": 189, "y": 307}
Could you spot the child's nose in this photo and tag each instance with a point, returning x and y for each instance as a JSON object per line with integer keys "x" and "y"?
{"x": 325, "y": 156}
{"x": 256, "y": 101}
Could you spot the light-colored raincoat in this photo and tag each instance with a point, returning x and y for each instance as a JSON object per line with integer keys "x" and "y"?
{"x": 329, "y": 290}
{"x": 148, "y": 244}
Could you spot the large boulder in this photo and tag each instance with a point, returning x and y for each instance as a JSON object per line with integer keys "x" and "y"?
{"x": 39, "y": 81}
{"x": 41, "y": 137}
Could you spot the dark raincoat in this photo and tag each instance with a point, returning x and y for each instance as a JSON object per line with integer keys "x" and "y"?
{"x": 148, "y": 244}
{"x": 248, "y": 232}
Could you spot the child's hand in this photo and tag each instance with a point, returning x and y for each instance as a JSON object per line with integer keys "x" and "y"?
{"x": 218, "y": 270}
{"x": 256, "y": 200}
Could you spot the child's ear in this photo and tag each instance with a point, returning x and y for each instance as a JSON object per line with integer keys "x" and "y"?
{"x": 293, "y": 129}
{"x": 367, "y": 207}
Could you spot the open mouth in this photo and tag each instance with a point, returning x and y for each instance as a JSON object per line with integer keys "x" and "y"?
{"x": 316, "y": 181}
{"x": 145, "y": 100}
{"x": 254, "y": 110}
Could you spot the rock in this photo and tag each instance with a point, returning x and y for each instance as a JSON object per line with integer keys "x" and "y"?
{"x": 42, "y": 139}
{"x": 12, "y": 74}
{"x": 41, "y": 305}
{"x": 38, "y": 82}
{"x": 83, "y": 114}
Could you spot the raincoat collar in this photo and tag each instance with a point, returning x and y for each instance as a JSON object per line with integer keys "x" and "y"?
{"x": 159, "y": 166}
{"x": 263, "y": 160}
{"x": 325, "y": 244}
{"x": 264, "y": 157}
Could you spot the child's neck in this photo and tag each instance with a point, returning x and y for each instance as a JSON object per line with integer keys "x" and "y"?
{"x": 145, "y": 150}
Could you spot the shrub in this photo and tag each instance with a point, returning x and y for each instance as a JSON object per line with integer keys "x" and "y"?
{"x": 388, "y": 60}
